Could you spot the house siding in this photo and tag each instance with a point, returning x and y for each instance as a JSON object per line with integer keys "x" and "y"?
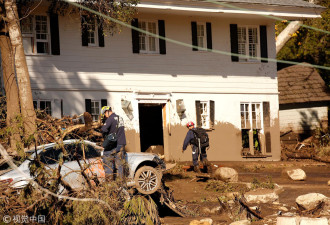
{"x": 115, "y": 73}
{"x": 303, "y": 117}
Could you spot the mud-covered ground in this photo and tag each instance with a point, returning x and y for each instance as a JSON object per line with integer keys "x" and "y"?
{"x": 200, "y": 195}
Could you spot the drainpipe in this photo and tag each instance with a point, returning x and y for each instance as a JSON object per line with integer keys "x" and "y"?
{"x": 285, "y": 35}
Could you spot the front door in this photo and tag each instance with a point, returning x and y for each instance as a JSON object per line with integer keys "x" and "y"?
{"x": 151, "y": 127}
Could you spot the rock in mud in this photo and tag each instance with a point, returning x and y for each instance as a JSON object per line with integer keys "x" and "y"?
{"x": 207, "y": 221}
{"x": 287, "y": 221}
{"x": 261, "y": 196}
{"x": 296, "y": 174}
{"x": 310, "y": 201}
{"x": 313, "y": 221}
{"x": 226, "y": 174}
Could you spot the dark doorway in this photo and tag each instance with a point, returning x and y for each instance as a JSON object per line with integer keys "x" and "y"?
{"x": 151, "y": 125}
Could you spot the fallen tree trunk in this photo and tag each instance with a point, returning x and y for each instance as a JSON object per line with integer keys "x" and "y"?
{"x": 305, "y": 155}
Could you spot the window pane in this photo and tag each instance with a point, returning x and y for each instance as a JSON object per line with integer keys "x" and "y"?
{"x": 152, "y": 44}
{"x": 41, "y": 27}
{"x": 200, "y": 35}
{"x": 253, "y": 38}
{"x": 48, "y": 108}
{"x": 42, "y": 47}
{"x": 27, "y": 25}
{"x": 241, "y": 32}
{"x": 142, "y": 41}
{"x": 152, "y": 28}
{"x": 42, "y": 105}
{"x": 241, "y": 49}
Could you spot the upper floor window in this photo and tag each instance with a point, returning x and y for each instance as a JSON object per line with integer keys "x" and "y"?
{"x": 35, "y": 33}
{"x": 201, "y": 35}
{"x": 147, "y": 42}
{"x": 91, "y": 32}
{"x": 248, "y": 42}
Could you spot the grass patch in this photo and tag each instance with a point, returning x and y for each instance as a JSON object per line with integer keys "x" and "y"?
{"x": 268, "y": 184}
{"x": 224, "y": 187}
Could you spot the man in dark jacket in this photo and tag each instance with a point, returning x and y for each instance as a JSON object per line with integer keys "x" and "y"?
{"x": 196, "y": 151}
{"x": 114, "y": 152}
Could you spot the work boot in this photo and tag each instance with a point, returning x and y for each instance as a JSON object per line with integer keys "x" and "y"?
{"x": 196, "y": 169}
{"x": 205, "y": 162}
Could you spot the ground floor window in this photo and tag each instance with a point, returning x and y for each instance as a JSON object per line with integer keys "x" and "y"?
{"x": 95, "y": 109}
{"x": 251, "y": 127}
{"x": 45, "y": 105}
{"x": 205, "y": 114}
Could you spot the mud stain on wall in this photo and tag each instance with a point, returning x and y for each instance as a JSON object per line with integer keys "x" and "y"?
{"x": 225, "y": 143}
{"x": 275, "y": 140}
{"x": 132, "y": 141}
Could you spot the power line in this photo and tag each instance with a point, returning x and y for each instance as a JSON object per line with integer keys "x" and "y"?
{"x": 190, "y": 45}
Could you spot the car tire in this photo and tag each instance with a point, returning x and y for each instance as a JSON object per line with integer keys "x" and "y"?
{"x": 147, "y": 180}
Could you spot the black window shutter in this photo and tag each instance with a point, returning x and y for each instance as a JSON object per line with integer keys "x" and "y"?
{"x": 100, "y": 33}
{"x": 161, "y": 32}
{"x": 211, "y": 114}
{"x": 209, "y": 35}
{"x": 62, "y": 114}
{"x": 266, "y": 118}
{"x": 263, "y": 43}
{"x": 88, "y": 105}
{"x": 234, "y": 42}
{"x": 198, "y": 113}
{"x": 84, "y": 32}
{"x": 194, "y": 35}
{"x": 54, "y": 34}
{"x": 135, "y": 36}
{"x": 104, "y": 102}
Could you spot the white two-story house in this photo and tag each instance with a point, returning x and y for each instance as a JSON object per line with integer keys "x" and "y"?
{"x": 159, "y": 85}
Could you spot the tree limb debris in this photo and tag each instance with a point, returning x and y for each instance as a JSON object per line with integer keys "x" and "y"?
{"x": 242, "y": 201}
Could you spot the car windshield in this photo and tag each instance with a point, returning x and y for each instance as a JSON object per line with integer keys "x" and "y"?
{"x": 74, "y": 151}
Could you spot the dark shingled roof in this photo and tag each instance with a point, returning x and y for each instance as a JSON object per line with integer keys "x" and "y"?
{"x": 295, "y": 3}
{"x": 298, "y": 84}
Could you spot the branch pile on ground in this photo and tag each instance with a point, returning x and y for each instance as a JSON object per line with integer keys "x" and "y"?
{"x": 316, "y": 147}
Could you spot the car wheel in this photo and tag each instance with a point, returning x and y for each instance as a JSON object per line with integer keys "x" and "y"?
{"x": 147, "y": 180}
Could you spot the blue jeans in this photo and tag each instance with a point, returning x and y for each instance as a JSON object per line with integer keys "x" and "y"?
{"x": 115, "y": 158}
{"x": 197, "y": 153}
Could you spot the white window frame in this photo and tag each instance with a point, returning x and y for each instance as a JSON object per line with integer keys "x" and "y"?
{"x": 250, "y": 124}
{"x": 45, "y": 100}
{"x": 201, "y": 37}
{"x": 205, "y": 114}
{"x": 247, "y": 43}
{"x": 89, "y": 23}
{"x": 148, "y": 37}
{"x": 33, "y": 37}
{"x": 95, "y": 115}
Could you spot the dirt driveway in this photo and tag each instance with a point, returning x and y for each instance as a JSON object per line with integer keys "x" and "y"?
{"x": 200, "y": 196}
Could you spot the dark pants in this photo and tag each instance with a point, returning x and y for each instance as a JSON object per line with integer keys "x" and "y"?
{"x": 196, "y": 153}
{"x": 115, "y": 158}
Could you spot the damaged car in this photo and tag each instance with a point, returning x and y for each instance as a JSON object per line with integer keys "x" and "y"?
{"x": 145, "y": 169}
